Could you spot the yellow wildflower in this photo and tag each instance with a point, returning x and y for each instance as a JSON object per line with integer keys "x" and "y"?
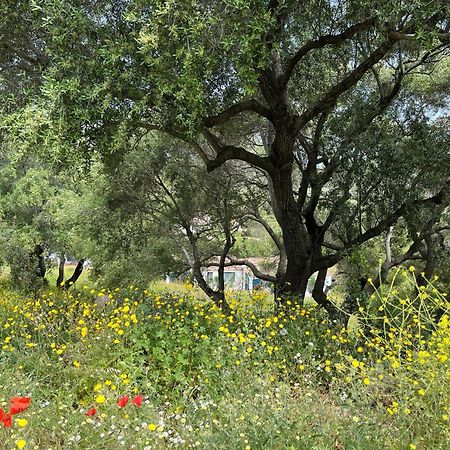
{"x": 100, "y": 399}
{"x": 22, "y": 422}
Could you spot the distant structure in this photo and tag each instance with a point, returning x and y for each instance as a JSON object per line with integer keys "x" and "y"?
{"x": 237, "y": 278}
{"x": 241, "y": 278}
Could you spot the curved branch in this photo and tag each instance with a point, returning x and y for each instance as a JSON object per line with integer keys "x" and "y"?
{"x": 362, "y": 125}
{"x": 256, "y": 216}
{"x": 331, "y": 260}
{"x": 178, "y": 135}
{"x": 399, "y": 36}
{"x": 409, "y": 255}
{"x": 243, "y": 262}
{"x": 322, "y": 41}
{"x": 248, "y": 105}
{"x": 436, "y": 199}
{"x": 76, "y": 274}
{"x": 282, "y": 264}
{"x": 330, "y": 98}
{"x": 332, "y": 246}
{"x": 227, "y": 152}
{"x": 61, "y": 266}
{"x": 231, "y": 152}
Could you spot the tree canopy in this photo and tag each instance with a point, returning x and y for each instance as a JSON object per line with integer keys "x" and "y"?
{"x": 325, "y": 100}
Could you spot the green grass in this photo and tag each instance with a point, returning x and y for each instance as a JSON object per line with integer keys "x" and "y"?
{"x": 52, "y": 275}
{"x": 253, "y": 381}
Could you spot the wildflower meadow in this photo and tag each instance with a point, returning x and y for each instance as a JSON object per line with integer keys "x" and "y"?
{"x": 165, "y": 368}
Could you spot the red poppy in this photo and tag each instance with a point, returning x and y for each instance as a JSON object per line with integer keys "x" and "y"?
{"x": 122, "y": 402}
{"x": 7, "y": 420}
{"x": 1, "y": 413}
{"x": 19, "y": 404}
{"x": 138, "y": 400}
{"x": 91, "y": 412}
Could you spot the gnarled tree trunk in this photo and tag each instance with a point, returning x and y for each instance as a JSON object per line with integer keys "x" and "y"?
{"x": 39, "y": 254}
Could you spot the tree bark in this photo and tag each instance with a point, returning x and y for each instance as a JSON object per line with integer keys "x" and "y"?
{"x": 318, "y": 292}
{"x": 293, "y": 283}
{"x": 37, "y": 278}
{"x": 76, "y": 274}
{"x": 430, "y": 262}
{"x": 217, "y": 296}
{"x": 39, "y": 254}
{"x": 61, "y": 265}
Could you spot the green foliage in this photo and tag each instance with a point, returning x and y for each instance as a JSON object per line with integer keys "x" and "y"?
{"x": 38, "y": 206}
{"x": 255, "y": 378}
{"x": 405, "y": 306}
{"x": 140, "y": 210}
{"x": 360, "y": 263}
{"x": 254, "y": 241}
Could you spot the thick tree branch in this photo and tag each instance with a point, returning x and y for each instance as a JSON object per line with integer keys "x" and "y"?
{"x": 330, "y": 98}
{"x": 332, "y": 246}
{"x": 178, "y": 135}
{"x": 229, "y": 242}
{"x": 248, "y": 105}
{"x": 250, "y": 265}
{"x": 61, "y": 266}
{"x": 322, "y": 41}
{"x": 196, "y": 262}
{"x": 318, "y": 293}
{"x": 227, "y": 152}
{"x": 76, "y": 274}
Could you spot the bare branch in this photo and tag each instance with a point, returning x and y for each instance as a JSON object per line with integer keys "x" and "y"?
{"x": 322, "y": 41}
{"x": 362, "y": 125}
{"x": 436, "y": 199}
{"x": 248, "y": 105}
{"x": 33, "y": 60}
{"x": 178, "y": 135}
{"x": 331, "y": 260}
{"x": 426, "y": 57}
{"x": 250, "y": 265}
{"x": 226, "y": 152}
{"x": 399, "y": 36}
{"x": 409, "y": 255}
{"x": 257, "y": 218}
{"x": 331, "y": 97}
{"x": 276, "y": 239}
